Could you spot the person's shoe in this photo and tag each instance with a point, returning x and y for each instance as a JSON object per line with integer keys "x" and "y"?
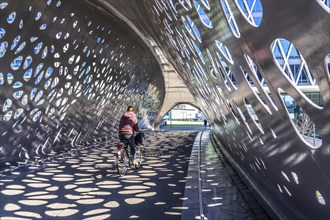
{"x": 135, "y": 164}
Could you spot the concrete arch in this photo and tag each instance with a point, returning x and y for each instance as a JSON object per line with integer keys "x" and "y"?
{"x": 164, "y": 111}
{"x": 176, "y": 91}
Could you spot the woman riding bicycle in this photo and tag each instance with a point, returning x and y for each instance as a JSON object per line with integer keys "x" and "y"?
{"x": 127, "y": 125}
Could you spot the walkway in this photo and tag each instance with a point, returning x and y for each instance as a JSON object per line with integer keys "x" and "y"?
{"x": 86, "y": 186}
{"x": 213, "y": 189}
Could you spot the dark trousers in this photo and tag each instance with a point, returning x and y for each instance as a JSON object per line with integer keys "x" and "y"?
{"x": 131, "y": 143}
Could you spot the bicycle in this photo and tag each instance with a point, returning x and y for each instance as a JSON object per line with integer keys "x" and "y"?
{"x": 123, "y": 161}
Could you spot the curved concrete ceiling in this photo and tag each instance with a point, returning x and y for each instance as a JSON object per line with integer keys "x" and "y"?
{"x": 131, "y": 13}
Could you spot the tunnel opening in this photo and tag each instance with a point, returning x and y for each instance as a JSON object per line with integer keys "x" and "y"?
{"x": 184, "y": 115}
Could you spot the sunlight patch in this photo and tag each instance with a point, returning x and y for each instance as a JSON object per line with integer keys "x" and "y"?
{"x": 33, "y": 202}
{"x": 90, "y": 201}
{"x": 96, "y": 211}
{"x": 11, "y": 207}
{"x": 134, "y": 201}
{"x": 112, "y": 204}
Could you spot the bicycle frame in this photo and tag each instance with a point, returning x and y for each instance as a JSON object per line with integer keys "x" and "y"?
{"x": 122, "y": 158}
{"x": 123, "y": 161}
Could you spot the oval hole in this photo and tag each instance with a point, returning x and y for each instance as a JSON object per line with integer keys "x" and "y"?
{"x": 8, "y": 116}
{"x": 18, "y": 94}
{"x": 319, "y": 198}
{"x": 10, "y": 78}
{"x": 43, "y": 27}
{"x": 11, "y": 18}
{"x": 58, "y": 4}
{"x": 18, "y": 113}
{"x": 37, "y": 48}
{"x": 16, "y": 63}
{"x": 7, "y": 105}
{"x": 15, "y": 42}
{"x": 2, "y": 80}
{"x": 293, "y": 66}
{"x": 2, "y": 32}
{"x": 202, "y": 14}
{"x": 38, "y": 16}
{"x": 27, "y": 75}
{"x": 304, "y": 126}
{"x": 3, "y": 48}
{"x": 252, "y": 11}
{"x": 44, "y": 53}
{"x": 17, "y": 85}
{"x": 253, "y": 115}
{"x": 20, "y": 48}
{"x": 27, "y": 62}
{"x": 230, "y": 18}
{"x": 21, "y": 24}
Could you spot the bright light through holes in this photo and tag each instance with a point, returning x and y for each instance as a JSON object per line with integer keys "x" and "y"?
{"x": 230, "y": 18}
{"x": 304, "y": 126}
{"x": 251, "y": 10}
{"x": 294, "y": 67}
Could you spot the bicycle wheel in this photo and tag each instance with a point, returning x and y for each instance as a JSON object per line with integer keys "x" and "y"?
{"x": 122, "y": 163}
{"x": 138, "y": 158}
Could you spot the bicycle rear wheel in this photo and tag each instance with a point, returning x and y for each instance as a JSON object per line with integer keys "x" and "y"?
{"x": 122, "y": 163}
{"x": 139, "y": 159}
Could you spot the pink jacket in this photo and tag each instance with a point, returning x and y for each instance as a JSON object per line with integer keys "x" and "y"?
{"x": 128, "y": 123}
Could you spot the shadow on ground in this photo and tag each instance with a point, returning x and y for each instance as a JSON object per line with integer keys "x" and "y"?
{"x": 86, "y": 185}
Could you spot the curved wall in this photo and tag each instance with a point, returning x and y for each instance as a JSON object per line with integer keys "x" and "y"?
{"x": 245, "y": 61}
{"x": 68, "y": 70}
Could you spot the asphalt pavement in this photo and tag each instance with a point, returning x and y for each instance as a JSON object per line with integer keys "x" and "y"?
{"x": 86, "y": 185}
{"x": 176, "y": 181}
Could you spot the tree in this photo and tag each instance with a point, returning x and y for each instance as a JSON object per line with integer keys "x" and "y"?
{"x": 305, "y": 125}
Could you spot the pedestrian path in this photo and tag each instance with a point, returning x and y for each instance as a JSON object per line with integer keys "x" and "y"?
{"x": 213, "y": 190}
{"x": 85, "y": 185}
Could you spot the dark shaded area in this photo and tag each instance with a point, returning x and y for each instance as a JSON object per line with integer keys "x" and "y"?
{"x": 85, "y": 185}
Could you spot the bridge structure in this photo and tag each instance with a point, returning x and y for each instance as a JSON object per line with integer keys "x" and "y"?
{"x": 258, "y": 69}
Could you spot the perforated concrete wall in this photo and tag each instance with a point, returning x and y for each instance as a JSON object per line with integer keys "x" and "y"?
{"x": 251, "y": 65}
{"x": 259, "y": 69}
{"x": 67, "y": 72}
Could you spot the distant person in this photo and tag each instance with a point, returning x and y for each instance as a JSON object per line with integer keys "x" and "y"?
{"x": 127, "y": 125}
{"x": 205, "y": 123}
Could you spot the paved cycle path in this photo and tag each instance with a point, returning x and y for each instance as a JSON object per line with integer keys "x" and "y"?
{"x": 86, "y": 186}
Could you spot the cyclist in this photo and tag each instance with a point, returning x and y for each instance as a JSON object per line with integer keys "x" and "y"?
{"x": 127, "y": 125}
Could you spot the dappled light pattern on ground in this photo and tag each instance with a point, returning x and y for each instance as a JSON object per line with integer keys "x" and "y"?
{"x": 86, "y": 185}
{"x": 223, "y": 194}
